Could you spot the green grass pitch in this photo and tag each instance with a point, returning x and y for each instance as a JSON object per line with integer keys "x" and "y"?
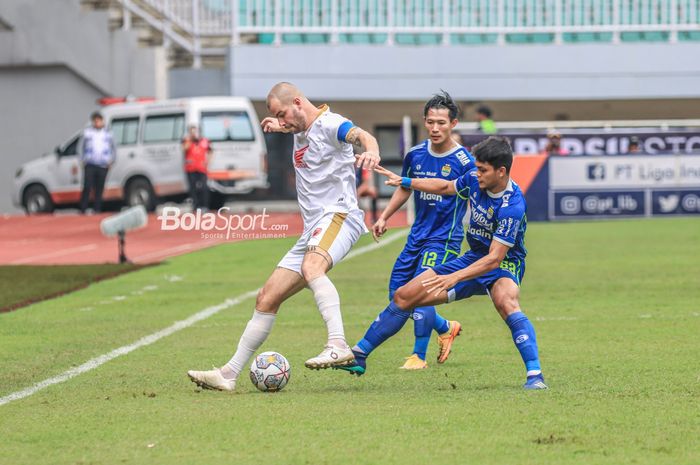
{"x": 616, "y": 306}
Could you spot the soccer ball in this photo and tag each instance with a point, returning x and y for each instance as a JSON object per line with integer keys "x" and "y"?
{"x": 270, "y": 371}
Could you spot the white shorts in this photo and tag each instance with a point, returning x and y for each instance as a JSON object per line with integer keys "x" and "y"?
{"x": 335, "y": 233}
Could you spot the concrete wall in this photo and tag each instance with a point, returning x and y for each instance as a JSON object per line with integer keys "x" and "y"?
{"x": 490, "y": 72}
{"x": 55, "y": 62}
{"x": 186, "y": 82}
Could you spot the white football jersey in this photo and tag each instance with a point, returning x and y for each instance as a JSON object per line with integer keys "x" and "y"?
{"x": 325, "y": 170}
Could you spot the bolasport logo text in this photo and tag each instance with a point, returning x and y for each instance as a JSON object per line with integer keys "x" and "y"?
{"x": 222, "y": 224}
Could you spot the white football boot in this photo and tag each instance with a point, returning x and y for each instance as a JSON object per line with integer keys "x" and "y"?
{"x": 212, "y": 379}
{"x": 331, "y": 357}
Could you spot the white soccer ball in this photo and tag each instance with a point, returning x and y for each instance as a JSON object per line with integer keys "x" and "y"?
{"x": 270, "y": 371}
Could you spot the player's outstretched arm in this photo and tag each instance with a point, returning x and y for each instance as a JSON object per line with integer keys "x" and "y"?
{"x": 398, "y": 198}
{"x": 430, "y": 185}
{"x": 439, "y": 283}
{"x": 369, "y": 157}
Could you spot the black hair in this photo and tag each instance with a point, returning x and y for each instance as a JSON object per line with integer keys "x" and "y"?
{"x": 440, "y": 101}
{"x": 95, "y": 115}
{"x": 496, "y": 151}
{"x": 484, "y": 110}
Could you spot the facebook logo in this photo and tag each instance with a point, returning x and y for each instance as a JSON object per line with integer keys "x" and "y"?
{"x": 596, "y": 171}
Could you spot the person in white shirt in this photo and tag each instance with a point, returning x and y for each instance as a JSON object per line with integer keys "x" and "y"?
{"x": 96, "y": 151}
{"x": 325, "y": 180}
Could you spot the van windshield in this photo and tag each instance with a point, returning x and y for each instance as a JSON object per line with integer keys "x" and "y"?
{"x": 221, "y": 126}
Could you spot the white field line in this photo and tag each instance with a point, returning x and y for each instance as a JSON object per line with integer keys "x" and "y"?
{"x": 58, "y": 253}
{"x": 177, "y": 326}
{"x": 187, "y": 247}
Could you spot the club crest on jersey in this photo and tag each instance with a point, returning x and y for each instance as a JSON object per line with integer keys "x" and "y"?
{"x": 299, "y": 158}
{"x": 446, "y": 170}
{"x": 489, "y": 213}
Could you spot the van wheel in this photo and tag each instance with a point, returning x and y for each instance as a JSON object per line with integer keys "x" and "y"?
{"x": 140, "y": 192}
{"x": 216, "y": 200}
{"x": 36, "y": 199}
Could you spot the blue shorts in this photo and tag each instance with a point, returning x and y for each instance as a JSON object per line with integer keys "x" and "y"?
{"x": 511, "y": 269}
{"x": 414, "y": 259}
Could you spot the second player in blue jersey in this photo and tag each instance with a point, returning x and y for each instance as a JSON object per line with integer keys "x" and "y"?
{"x": 437, "y": 232}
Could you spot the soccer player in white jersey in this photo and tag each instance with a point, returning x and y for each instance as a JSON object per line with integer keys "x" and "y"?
{"x": 325, "y": 180}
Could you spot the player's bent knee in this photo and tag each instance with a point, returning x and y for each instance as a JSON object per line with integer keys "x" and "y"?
{"x": 506, "y": 305}
{"x": 266, "y": 302}
{"x": 403, "y": 299}
{"x": 315, "y": 265}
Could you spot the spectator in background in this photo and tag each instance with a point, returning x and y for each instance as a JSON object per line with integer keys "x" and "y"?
{"x": 197, "y": 150}
{"x": 365, "y": 188}
{"x": 554, "y": 144}
{"x": 633, "y": 146}
{"x": 96, "y": 152}
{"x": 486, "y": 124}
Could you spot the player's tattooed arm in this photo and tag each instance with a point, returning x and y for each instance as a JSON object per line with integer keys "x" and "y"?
{"x": 367, "y": 146}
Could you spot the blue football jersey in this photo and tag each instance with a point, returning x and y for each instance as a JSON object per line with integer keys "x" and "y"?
{"x": 438, "y": 217}
{"x": 499, "y": 217}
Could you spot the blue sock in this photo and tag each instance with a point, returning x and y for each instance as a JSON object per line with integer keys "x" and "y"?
{"x": 441, "y": 325}
{"x": 388, "y": 323}
{"x": 525, "y": 341}
{"x": 423, "y": 321}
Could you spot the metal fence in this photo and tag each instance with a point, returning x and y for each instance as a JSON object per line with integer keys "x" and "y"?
{"x": 215, "y": 17}
{"x": 433, "y": 21}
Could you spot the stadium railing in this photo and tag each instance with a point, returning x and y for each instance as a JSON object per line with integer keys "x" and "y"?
{"x": 426, "y": 22}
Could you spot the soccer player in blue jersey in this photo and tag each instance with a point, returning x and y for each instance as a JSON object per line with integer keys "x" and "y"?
{"x": 437, "y": 232}
{"x": 495, "y": 265}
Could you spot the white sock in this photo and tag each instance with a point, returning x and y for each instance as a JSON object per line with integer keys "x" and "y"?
{"x": 328, "y": 302}
{"x": 255, "y": 333}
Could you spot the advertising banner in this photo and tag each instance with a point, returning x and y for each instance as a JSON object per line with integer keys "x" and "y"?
{"x": 633, "y": 185}
{"x": 596, "y": 143}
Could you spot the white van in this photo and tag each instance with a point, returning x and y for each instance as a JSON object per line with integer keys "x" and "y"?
{"x": 149, "y": 163}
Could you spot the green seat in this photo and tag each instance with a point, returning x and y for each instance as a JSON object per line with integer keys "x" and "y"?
{"x": 473, "y": 39}
{"x": 655, "y": 36}
{"x": 405, "y": 39}
{"x": 631, "y": 36}
{"x": 518, "y": 38}
{"x": 576, "y": 37}
{"x": 292, "y": 38}
{"x": 315, "y": 38}
{"x": 571, "y": 37}
{"x": 379, "y": 38}
{"x": 689, "y": 35}
{"x": 429, "y": 39}
{"x": 541, "y": 38}
{"x": 360, "y": 38}
{"x": 266, "y": 38}
{"x": 648, "y": 36}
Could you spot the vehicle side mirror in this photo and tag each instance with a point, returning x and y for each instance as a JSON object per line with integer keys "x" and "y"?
{"x": 57, "y": 150}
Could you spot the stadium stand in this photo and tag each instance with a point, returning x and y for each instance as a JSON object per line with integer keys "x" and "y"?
{"x": 201, "y": 29}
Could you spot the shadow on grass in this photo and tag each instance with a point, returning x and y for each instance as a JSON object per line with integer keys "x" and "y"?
{"x": 22, "y": 285}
